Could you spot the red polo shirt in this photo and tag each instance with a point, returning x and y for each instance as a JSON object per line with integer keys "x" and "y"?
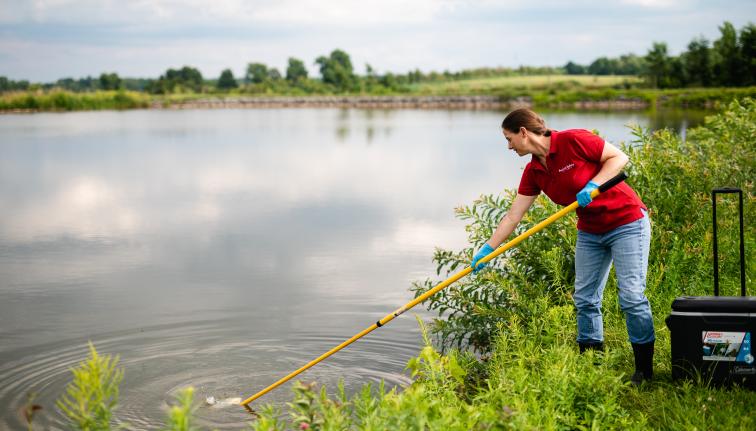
{"x": 574, "y": 159}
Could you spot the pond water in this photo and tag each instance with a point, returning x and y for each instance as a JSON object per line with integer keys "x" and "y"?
{"x": 222, "y": 249}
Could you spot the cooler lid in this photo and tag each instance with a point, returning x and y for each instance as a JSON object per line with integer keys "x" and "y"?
{"x": 716, "y": 304}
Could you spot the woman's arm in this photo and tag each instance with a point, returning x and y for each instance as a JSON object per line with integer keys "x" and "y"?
{"x": 612, "y": 162}
{"x": 509, "y": 222}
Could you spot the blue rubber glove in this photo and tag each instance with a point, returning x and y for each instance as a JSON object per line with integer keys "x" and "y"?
{"x": 584, "y": 196}
{"x": 483, "y": 252}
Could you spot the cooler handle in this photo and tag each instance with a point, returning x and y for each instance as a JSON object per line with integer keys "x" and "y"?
{"x": 714, "y": 194}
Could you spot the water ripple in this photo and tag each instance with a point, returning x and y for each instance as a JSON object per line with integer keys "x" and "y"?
{"x": 219, "y": 359}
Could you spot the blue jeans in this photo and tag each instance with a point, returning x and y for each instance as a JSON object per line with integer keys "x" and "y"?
{"x": 628, "y": 246}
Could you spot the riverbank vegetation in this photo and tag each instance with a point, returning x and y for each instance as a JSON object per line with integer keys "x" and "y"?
{"x": 61, "y": 100}
{"x": 502, "y": 355}
{"x": 518, "y": 318}
{"x": 704, "y": 75}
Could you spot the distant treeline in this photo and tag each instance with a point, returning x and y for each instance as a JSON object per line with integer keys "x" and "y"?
{"x": 106, "y": 81}
{"x": 729, "y": 61}
{"x": 336, "y": 75}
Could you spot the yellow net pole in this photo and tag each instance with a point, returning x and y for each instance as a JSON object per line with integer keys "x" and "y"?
{"x": 389, "y": 317}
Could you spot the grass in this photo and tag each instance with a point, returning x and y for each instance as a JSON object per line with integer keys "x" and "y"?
{"x": 504, "y": 84}
{"x": 59, "y": 100}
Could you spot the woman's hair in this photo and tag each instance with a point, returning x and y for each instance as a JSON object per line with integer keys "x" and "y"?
{"x": 525, "y": 118}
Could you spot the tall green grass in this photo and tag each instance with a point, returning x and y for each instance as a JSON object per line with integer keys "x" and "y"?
{"x": 68, "y": 101}
{"x": 496, "y": 85}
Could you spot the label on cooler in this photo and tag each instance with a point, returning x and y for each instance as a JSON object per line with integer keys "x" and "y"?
{"x": 727, "y": 346}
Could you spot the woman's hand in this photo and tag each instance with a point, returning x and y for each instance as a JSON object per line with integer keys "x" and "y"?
{"x": 483, "y": 252}
{"x": 584, "y": 196}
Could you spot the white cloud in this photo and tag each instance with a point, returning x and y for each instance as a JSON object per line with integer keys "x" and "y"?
{"x": 344, "y": 12}
{"x": 655, "y": 4}
{"x": 44, "y": 40}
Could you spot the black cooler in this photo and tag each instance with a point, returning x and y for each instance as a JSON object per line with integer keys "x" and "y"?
{"x": 712, "y": 335}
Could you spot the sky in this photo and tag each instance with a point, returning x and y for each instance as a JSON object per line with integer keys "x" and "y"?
{"x": 44, "y": 40}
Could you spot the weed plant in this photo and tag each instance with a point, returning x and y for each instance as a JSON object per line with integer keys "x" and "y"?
{"x": 92, "y": 395}
{"x": 180, "y": 416}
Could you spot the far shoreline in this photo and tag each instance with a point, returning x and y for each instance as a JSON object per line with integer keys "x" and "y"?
{"x": 474, "y": 102}
{"x": 477, "y": 102}
{"x": 584, "y": 100}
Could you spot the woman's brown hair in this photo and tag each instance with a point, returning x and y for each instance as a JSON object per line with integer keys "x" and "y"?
{"x": 526, "y": 118}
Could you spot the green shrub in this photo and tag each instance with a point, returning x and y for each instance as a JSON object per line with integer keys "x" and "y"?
{"x": 181, "y": 415}
{"x": 92, "y": 396}
{"x": 674, "y": 179}
{"x": 472, "y": 307}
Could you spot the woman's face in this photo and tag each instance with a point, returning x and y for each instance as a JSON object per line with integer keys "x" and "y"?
{"x": 517, "y": 141}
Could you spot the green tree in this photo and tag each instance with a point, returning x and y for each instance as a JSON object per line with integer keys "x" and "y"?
{"x": 257, "y": 73}
{"x": 574, "y": 69}
{"x": 727, "y": 61}
{"x": 748, "y": 53}
{"x": 274, "y": 74}
{"x": 190, "y": 77}
{"x": 389, "y": 81}
{"x": 110, "y": 81}
{"x": 697, "y": 62}
{"x": 226, "y": 80}
{"x": 371, "y": 78}
{"x": 657, "y": 65}
{"x": 629, "y": 64}
{"x": 186, "y": 78}
{"x": 10, "y": 85}
{"x": 415, "y": 76}
{"x": 677, "y": 77}
{"x": 600, "y": 66}
{"x": 82, "y": 84}
{"x": 337, "y": 70}
{"x": 296, "y": 71}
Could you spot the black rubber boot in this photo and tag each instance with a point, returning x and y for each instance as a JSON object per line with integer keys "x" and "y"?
{"x": 644, "y": 362}
{"x": 598, "y": 346}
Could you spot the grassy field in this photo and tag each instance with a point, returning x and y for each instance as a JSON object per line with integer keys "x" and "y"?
{"x": 507, "y": 83}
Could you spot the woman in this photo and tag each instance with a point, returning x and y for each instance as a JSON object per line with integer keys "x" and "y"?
{"x": 567, "y": 166}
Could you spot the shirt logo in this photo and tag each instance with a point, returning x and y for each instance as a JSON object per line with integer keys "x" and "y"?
{"x": 566, "y": 168}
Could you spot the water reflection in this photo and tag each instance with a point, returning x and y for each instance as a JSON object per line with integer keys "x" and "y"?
{"x": 284, "y": 231}
{"x": 676, "y": 119}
